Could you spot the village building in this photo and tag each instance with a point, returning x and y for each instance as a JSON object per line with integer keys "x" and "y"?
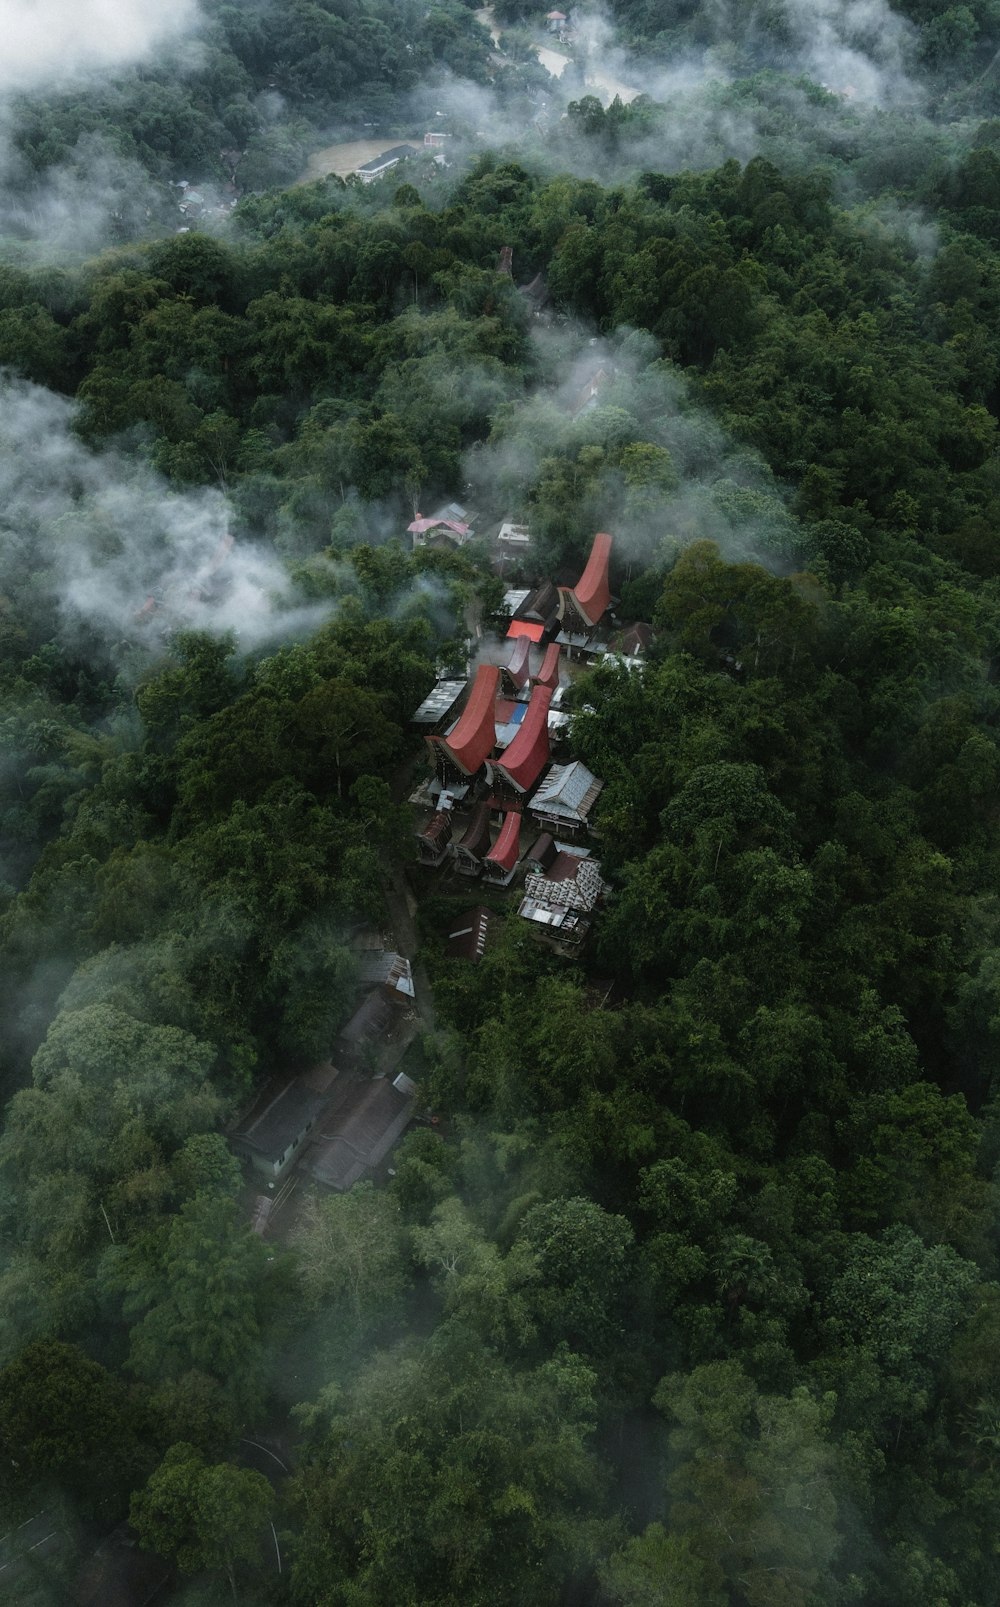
{"x": 565, "y": 799}
{"x": 587, "y": 396}
{"x": 583, "y": 606}
{"x": 500, "y": 863}
{"x": 277, "y": 1123}
{"x": 437, "y": 705}
{"x": 385, "y": 969}
{"x": 365, "y": 1034}
{"x": 364, "y": 1122}
{"x": 528, "y": 754}
{"x": 451, "y": 526}
{"x": 513, "y": 537}
{"x": 475, "y": 843}
{"x": 473, "y": 933}
{"x": 463, "y": 751}
{"x": 434, "y": 839}
{"x": 434, "y": 138}
{"x": 369, "y": 171}
{"x": 561, "y": 889}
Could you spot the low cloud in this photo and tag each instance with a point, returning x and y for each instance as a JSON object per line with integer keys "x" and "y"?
{"x": 103, "y": 549}
{"x": 51, "y": 42}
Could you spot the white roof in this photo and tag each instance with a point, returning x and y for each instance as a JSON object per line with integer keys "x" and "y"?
{"x": 565, "y": 789}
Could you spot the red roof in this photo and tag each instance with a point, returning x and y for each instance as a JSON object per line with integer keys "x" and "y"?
{"x": 505, "y": 849}
{"x": 592, "y": 591}
{"x": 548, "y": 675}
{"x": 528, "y": 754}
{"x": 419, "y": 526}
{"x": 470, "y": 743}
{"x": 524, "y": 627}
{"x": 520, "y": 657}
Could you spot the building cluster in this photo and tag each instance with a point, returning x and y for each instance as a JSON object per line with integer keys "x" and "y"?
{"x": 338, "y": 1120}
{"x": 502, "y": 805}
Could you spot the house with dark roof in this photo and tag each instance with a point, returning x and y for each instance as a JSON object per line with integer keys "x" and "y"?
{"x": 278, "y": 1122}
{"x": 369, "y": 171}
{"x": 473, "y": 933}
{"x": 365, "y": 1120}
{"x": 475, "y": 843}
{"x": 434, "y": 839}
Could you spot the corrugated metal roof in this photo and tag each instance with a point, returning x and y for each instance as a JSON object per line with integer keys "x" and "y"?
{"x": 565, "y": 788}
{"x": 524, "y": 627}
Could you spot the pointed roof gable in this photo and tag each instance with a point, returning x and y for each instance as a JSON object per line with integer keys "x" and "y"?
{"x": 476, "y": 837}
{"x": 592, "y": 591}
{"x": 472, "y": 739}
{"x": 505, "y": 850}
{"x": 548, "y": 675}
{"x": 528, "y": 754}
{"x": 517, "y": 666}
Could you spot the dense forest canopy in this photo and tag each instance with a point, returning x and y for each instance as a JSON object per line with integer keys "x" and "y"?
{"x": 690, "y": 1295}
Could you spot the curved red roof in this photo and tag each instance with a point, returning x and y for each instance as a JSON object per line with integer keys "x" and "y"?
{"x": 528, "y": 754}
{"x": 548, "y": 675}
{"x": 593, "y": 591}
{"x": 472, "y": 739}
{"x": 505, "y": 850}
{"x": 520, "y": 658}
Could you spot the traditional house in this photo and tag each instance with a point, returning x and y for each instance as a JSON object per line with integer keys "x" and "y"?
{"x": 472, "y": 848}
{"x": 526, "y": 757}
{"x": 548, "y": 675}
{"x": 434, "y": 840}
{"x": 278, "y": 1122}
{"x": 500, "y": 863}
{"x": 564, "y": 800}
{"x": 584, "y": 605}
{"x": 369, "y": 171}
{"x": 463, "y": 751}
{"x": 516, "y": 672}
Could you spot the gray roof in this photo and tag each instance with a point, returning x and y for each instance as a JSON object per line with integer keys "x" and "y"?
{"x": 361, "y": 1130}
{"x": 437, "y": 703}
{"x": 569, "y": 790}
{"x": 396, "y": 153}
{"x": 285, "y": 1117}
